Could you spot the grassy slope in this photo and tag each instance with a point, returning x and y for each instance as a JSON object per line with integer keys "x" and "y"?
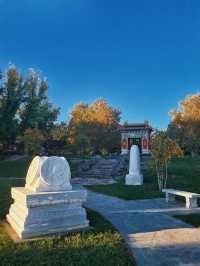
{"x": 101, "y": 246}
{"x": 19, "y": 167}
{"x": 184, "y": 174}
{"x": 187, "y": 177}
{"x": 16, "y": 168}
{"x": 127, "y": 192}
{"x": 193, "y": 219}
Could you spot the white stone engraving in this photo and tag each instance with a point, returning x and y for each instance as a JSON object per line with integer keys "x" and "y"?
{"x": 47, "y": 205}
{"x": 48, "y": 174}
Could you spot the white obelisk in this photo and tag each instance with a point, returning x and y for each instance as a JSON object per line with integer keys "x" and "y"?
{"x": 135, "y": 176}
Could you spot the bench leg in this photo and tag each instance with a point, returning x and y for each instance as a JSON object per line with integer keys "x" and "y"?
{"x": 170, "y": 197}
{"x": 191, "y": 203}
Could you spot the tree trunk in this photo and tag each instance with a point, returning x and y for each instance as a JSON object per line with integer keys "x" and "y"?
{"x": 166, "y": 175}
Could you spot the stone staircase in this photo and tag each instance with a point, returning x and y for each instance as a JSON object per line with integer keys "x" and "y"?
{"x": 105, "y": 168}
{"x": 102, "y": 168}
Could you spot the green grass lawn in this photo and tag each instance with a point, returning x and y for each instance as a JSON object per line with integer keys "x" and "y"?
{"x": 127, "y": 192}
{"x": 101, "y": 246}
{"x": 16, "y": 168}
{"x": 193, "y": 219}
{"x": 184, "y": 173}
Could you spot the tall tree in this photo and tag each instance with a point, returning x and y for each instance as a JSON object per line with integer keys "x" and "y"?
{"x": 32, "y": 139}
{"x": 185, "y": 124}
{"x": 24, "y": 105}
{"x": 96, "y": 126}
{"x": 163, "y": 149}
{"x": 37, "y": 112}
{"x": 12, "y": 95}
{"x": 57, "y": 142}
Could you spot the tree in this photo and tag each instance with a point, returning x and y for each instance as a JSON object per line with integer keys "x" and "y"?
{"x": 23, "y": 105}
{"x": 97, "y": 124}
{"x": 12, "y": 93}
{"x": 82, "y": 144}
{"x": 37, "y": 112}
{"x": 163, "y": 149}
{"x": 33, "y": 139}
{"x": 57, "y": 141}
{"x": 185, "y": 124}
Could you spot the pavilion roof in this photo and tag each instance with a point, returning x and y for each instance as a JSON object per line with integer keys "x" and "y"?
{"x": 135, "y": 126}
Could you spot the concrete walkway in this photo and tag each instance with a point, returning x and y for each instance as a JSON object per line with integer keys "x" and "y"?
{"x": 92, "y": 181}
{"x": 155, "y": 238}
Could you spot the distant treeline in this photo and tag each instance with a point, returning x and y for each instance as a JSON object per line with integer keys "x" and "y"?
{"x": 28, "y": 121}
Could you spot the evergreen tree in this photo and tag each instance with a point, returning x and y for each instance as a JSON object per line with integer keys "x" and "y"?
{"x": 37, "y": 112}
{"x": 24, "y": 105}
{"x": 12, "y": 95}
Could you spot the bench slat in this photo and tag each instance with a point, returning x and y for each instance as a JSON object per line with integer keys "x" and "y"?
{"x": 181, "y": 193}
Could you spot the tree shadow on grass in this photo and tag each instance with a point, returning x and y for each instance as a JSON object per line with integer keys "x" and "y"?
{"x": 101, "y": 246}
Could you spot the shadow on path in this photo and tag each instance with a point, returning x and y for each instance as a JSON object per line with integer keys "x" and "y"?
{"x": 155, "y": 238}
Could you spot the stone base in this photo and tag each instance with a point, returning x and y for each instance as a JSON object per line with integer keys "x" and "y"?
{"x": 135, "y": 180}
{"x": 36, "y": 214}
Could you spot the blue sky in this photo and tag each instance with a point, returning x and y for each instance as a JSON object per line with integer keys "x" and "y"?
{"x": 141, "y": 56}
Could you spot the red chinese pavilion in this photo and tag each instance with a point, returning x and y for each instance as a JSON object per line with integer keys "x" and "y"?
{"x": 135, "y": 134}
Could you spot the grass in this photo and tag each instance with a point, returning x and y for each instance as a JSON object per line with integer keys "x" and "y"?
{"x": 127, "y": 192}
{"x": 16, "y": 168}
{"x": 184, "y": 174}
{"x": 19, "y": 167}
{"x": 193, "y": 219}
{"x": 101, "y": 246}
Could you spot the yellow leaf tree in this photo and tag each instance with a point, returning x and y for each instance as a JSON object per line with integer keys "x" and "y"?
{"x": 163, "y": 149}
{"x": 94, "y": 127}
{"x": 185, "y": 124}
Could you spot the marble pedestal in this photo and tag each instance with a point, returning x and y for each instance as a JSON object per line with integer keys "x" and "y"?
{"x": 34, "y": 214}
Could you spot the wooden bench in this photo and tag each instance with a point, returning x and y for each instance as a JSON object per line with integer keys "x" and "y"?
{"x": 191, "y": 198}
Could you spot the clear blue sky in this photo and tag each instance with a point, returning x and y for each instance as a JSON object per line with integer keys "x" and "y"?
{"x": 142, "y": 56}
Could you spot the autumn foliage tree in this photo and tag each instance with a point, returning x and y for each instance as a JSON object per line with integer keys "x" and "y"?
{"x": 185, "y": 124}
{"x": 163, "y": 149}
{"x": 94, "y": 128}
{"x": 57, "y": 140}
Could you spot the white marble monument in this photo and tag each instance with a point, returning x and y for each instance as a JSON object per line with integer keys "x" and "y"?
{"x": 135, "y": 176}
{"x": 47, "y": 204}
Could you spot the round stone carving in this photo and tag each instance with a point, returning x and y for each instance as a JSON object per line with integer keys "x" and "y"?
{"x": 48, "y": 174}
{"x": 55, "y": 171}
{"x": 34, "y": 170}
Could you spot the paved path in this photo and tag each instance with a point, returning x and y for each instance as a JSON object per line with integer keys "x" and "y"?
{"x": 155, "y": 238}
{"x": 92, "y": 181}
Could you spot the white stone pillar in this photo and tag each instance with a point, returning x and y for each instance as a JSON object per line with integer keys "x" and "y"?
{"x": 134, "y": 177}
